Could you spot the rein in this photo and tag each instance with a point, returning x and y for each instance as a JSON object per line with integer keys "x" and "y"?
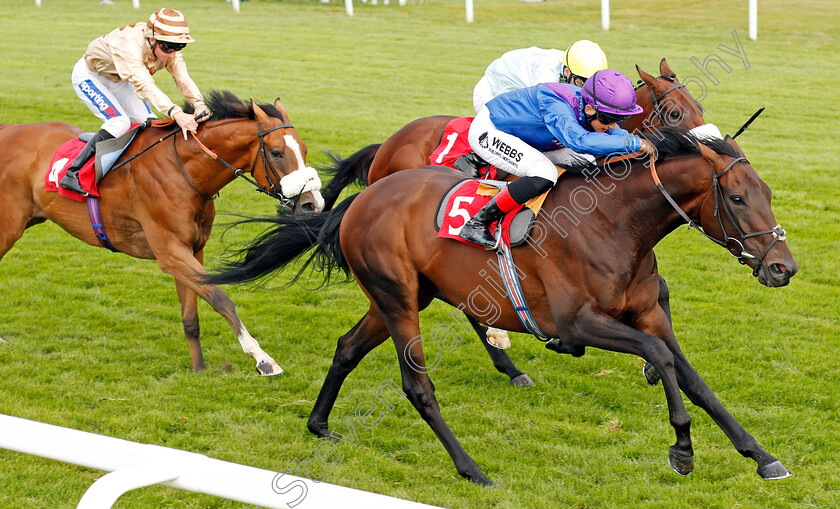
{"x": 733, "y": 246}
{"x": 274, "y": 190}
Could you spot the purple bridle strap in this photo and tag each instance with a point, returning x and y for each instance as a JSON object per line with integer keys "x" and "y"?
{"x": 96, "y": 222}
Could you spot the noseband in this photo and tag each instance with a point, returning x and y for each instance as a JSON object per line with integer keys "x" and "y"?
{"x": 735, "y": 246}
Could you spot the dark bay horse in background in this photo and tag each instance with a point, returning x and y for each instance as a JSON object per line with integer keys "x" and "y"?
{"x": 665, "y": 100}
{"x": 599, "y": 288}
{"x": 160, "y": 204}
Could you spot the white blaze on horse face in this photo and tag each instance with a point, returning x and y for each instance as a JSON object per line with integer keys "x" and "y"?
{"x": 293, "y": 144}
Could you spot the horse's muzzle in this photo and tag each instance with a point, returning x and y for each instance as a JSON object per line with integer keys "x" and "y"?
{"x": 777, "y": 274}
{"x": 309, "y": 202}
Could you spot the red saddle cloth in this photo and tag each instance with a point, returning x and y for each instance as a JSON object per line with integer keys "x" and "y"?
{"x": 462, "y": 202}
{"x": 454, "y": 143}
{"x": 62, "y": 158}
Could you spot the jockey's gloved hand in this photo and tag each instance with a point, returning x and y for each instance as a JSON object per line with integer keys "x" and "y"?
{"x": 186, "y": 122}
{"x": 648, "y": 148}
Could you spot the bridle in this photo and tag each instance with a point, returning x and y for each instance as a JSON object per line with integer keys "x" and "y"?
{"x": 657, "y": 109}
{"x": 274, "y": 189}
{"x": 735, "y": 246}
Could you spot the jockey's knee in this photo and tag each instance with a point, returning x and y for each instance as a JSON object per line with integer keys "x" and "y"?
{"x": 117, "y": 126}
{"x": 525, "y": 188}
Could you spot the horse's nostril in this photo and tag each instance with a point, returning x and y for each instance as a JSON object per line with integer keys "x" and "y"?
{"x": 779, "y": 269}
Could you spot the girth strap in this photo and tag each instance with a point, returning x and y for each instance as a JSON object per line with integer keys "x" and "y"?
{"x": 96, "y": 223}
{"x": 514, "y": 291}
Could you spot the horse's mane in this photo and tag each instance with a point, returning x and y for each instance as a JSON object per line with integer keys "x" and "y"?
{"x": 224, "y": 105}
{"x": 670, "y": 142}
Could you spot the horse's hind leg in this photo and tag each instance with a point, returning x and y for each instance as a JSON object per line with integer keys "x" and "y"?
{"x": 399, "y": 298}
{"x": 15, "y": 217}
{"x": 664, "y": 301}
{"x": 352, "y": 347}
{"x": 500, "y": 358}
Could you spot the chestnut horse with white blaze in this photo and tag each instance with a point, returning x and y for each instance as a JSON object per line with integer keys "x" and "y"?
{"x": 158, "y": 201}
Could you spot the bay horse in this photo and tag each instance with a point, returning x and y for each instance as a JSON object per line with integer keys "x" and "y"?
{"x": 159, "y": 204}
{"x": 666, "y": 102}
{"x": 598, "y": 288}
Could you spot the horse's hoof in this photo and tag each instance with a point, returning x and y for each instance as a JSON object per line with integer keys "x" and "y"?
{"x": 320, "y": 430}
{"x": 268, "y": 368}
{"x": 651, "y": 375}
{"x": 773, "y": 470}
{"x": 482, "y": 480}
{"x": 522, "y": 380}
{"x": 681, "y": 465}
{"x": 558, "y": 346}
{"x": 498, "y": 338}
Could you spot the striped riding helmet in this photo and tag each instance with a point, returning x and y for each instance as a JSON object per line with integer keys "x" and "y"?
{"x": 168, "y": 25}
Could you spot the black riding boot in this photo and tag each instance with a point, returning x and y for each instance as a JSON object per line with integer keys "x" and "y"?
{"x": 71, "y": 178}
{"x": 477, "y": 229}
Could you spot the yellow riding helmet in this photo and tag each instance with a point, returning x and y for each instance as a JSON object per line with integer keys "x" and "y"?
{"x": 168, "y": 25}
{"x": 585, "y": 58}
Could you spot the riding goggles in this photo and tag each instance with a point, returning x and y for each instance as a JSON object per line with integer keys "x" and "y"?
{"x": 171, "y": 47}
{"x": 610, "y": 118}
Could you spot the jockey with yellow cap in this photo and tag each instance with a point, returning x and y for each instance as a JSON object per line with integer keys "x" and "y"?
{"x": 527, "y": 67}
{"x": 114, "y": 80}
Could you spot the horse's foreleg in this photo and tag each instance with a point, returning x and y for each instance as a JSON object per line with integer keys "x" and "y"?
{"x": 189, "y": 317}
{"x": 693, "y": 385}
{"x": 594, "y": 328}
{"x": 178, "y": 260}
{"x": 352, "y": 347}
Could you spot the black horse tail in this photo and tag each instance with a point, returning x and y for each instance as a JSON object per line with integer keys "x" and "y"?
{"x": 354, "y": 169}
{"x": 328, "y": 255}
{"x": 290, "y": 237}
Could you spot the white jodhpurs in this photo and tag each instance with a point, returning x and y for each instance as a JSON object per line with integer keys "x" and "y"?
{"x": 509, "y": 153}
{"x": 115, "y": 103}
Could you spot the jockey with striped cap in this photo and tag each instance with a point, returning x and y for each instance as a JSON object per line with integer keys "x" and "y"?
{"x": 114, "y": 80}
{"x": 527, "y": 131}
{"x": 527, "y": 67}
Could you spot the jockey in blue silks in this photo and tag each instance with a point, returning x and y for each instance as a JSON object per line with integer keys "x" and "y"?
{"x": 526, "y": 132}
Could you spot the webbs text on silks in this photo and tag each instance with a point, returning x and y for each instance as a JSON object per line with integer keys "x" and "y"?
{"x": 506, "y": 149}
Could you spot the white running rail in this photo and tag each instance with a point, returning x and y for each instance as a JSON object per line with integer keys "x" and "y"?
{"x": 134, "y": 465}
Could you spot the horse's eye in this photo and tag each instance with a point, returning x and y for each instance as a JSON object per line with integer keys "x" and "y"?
{"x": 675, "y": 115}
{"x": 737, "y": 200}
{"x": 276, "y": 154}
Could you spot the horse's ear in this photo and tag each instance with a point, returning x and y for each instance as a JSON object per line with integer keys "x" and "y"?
{"x": 666, "y": 71}
{"x": 647, "y": 78}
{"x": 282, "y": 109}
{"x": 734, "y": 144}
{"x": 711, "y": 156}
{"x": 258, "y": 112}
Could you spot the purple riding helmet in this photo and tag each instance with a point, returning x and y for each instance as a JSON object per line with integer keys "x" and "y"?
{"x": 611, "y": 92}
